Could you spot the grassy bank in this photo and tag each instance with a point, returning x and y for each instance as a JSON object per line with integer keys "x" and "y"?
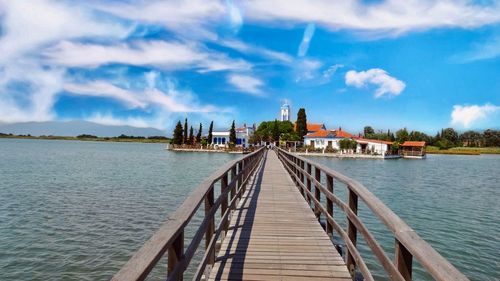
{"x": 103, "y": 139}
{"x": 463, "y": 150}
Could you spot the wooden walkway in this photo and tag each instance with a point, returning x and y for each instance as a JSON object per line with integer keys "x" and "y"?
{"x": 274, "y": 235}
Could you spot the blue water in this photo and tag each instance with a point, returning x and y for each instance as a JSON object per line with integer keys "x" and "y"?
{"x": 74, "y": 210}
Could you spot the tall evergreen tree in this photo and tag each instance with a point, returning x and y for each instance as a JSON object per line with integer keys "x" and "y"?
{"x": 198, "y": 135}
{"x": 191, "y": 136}
{"x": 301, "y": 123}
{"x": 232, "y": 134}
{"x": 178, "y": 134}
{"x": 185, "y": 130}
{"x": 210, "y": 129}
{"x": 276, "y": 130}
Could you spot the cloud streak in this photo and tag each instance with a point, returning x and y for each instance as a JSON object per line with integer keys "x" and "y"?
{"x": 384, "y": 83}
{"x": 163, "y": 54}
{"x": 387, "y": 18}
{"x": 306, "y": 39}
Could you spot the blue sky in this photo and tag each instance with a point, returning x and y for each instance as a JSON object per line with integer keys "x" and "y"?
{"x": 424, "y": 65}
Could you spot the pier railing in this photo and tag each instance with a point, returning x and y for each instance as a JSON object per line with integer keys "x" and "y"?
{"x": 170, "y": 238}
{"x": 308, "y": 177}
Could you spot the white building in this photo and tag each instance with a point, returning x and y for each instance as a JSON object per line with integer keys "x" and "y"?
{"x": 379, "y": 147}
{"x": 285, "y": 112}
{"x": 325, "y": 138}
{"x": 220, "y": 138}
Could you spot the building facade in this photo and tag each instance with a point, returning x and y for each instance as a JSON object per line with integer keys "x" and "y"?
{"x": 220, "y": 138}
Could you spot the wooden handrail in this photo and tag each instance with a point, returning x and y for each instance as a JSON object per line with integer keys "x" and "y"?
{"x": 407, "y": 243}
{"x": 170, "y": 236}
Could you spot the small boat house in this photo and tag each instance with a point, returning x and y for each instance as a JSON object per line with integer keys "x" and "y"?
{"x": 413, "y": 149}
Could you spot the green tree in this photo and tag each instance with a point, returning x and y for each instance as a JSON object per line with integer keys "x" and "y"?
{"x": 185, "y": 130}
{"x": 178, "y": 134}
{"x": 210, "y": 129}
{"x": 198, "y": 135}
{"x": 418, "y": 136}
{"x": 232, "y": 134}
{"x": 301, "y": 123}
{"x": 368, "y": 131}
{"x": 402, "y": 135}
{"x": 451, "y": 136}
{"x": 191, "y": 135}
{"x": 491, "y": 138}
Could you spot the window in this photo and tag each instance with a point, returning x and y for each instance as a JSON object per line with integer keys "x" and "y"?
{"x": 215, "y": 141}
{"x": 223, "y": 140}
{"x": 238, "y": 141}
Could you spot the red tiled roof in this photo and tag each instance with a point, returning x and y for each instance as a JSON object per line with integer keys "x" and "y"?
{"x": 320, "y": 134}
{"x": 342, "y": 134}
{"x": 311, "y": 127}
{"x": 414, "y": 143}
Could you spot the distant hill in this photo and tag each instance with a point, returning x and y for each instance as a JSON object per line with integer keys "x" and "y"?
{"x": 74, "y": 128}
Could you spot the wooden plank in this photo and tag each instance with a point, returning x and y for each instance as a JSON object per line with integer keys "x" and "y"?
{"x": 274, "y": 235}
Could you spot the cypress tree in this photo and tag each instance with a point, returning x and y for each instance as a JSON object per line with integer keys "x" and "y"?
{"x": 185, "y": 130}
{"x": 198, "y": 135}
{"x": 191, "y": 136}
{"x": 178, "y": 133}
{"x": 301, "y": 123}
{"x": 276, "y": 130}
{"x": 232, "y": 134}
{"x": 210, "y": 129}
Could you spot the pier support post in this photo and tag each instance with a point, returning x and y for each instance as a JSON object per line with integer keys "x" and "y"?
{"x": 403, "y": 260}
{"x": 317, "y": 192}
{"x": 223, "y": 208}
{"x": 329, "y": 205}
{"x": 351, "y": 231}
{"x": 209, "y": 203}
{"x": 309, "y": 172}
{"x": 175, "y": 253}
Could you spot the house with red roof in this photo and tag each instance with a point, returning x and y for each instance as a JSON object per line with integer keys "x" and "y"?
{"x": 323, "y": 138}
{"x": 371, "y": 146}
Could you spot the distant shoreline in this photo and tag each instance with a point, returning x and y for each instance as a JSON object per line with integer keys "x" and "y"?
{"x": 100, "y": 139}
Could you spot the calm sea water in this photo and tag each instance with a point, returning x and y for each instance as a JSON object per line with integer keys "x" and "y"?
{"x": 78, "y": 210}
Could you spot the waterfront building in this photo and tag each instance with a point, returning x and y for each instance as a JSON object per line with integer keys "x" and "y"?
{"x": 312, "y": 127}
{"x": 319, "y": 137}
{"x": 369, "y": 146}
{"x": 285, "y": 112}
{"x": 413, "y": 149}
{"x": 220, "y": 138}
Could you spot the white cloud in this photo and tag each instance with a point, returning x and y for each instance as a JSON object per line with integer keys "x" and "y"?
{"x": 306, "y": 39}
{"x": 306, "y": 69}
{"x": 391, "y": 17}
{"x": 386, "y": 84}
{"x": 466, "y": 115}
{"x": 167, "y": 55}
{"x": 332, "y": 70}
{"x": 27, "y": 25}
{"x": 246, "y": 83}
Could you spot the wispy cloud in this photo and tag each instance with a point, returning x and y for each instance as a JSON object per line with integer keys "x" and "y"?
{"x": 467, "y": 115}
{"x": 385, "y": 84}
{"x": 306, "y": 39}
{"x": 387, "y": 18}
{"x": 489, "y": 49}
{"x": 246, "y": 48}
{"x": 246, "y": 83}
{"x": 167, "y": 55}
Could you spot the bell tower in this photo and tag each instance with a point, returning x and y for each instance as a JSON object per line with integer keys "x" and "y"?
{"x": 285, "y": 112}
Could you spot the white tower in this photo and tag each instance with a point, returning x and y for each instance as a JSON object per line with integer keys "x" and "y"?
{"x": 285, "y": 112}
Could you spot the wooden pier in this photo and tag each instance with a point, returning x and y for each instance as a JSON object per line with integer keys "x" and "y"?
{"x": 270, "y": 204}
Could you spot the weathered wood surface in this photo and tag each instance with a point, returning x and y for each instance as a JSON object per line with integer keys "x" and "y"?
{"x": 274, "y": 235}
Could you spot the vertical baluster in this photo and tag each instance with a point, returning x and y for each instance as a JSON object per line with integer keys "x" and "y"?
{"x": 309, "y": 171}
{"x": 403, "y": 260}
{"x": 351, "y": 230}
{"x": 329, "y": 205}
{"x": 223, "y": 208}
{"x": 317, "y": 192}
{"x": 209, "y": 202}
{"x": 302, "y": 176}
{"x": 233, "y": 189}
{"x": 175, "y": 253}
{"x": 240, "y": 177}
